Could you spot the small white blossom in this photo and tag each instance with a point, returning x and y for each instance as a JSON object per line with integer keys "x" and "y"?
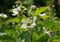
{"x": 42, "y": 14}
{"x": 1, "y": 33}
{"x": 16, "y": 5}
{"x": 48, "y": 32}
{"x": 54, "y": 18}
{"x": 23, "y": 26}
{"x": 27, "y": 23}
{"x": 25, "y": 8}
{"x": 33, "y": 25}
{"x": 33, "y": 7}
{"x": 14, "y": 14}
{"x": 18, "y": 8}
{"x": 45, "y": 30}
{"x": 13, "y": 6}
{"x": 3, "y": 15}
{"x": 15, "y": 11}
{"x": 23, "y": 21}
{"x": 53, "y": 5}
{"x": 29, "y": 20}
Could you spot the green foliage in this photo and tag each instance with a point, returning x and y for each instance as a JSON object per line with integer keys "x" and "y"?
{"x": 27, "y": 23}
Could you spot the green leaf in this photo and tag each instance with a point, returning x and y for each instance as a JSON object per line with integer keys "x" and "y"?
{"x": 25, "y": 36}
{"x": 48, "y": 24}
{"x": 39, "y": 10}
{"x": 12, "y": 33}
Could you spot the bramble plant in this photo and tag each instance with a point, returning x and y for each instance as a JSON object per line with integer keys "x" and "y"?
{"x": 29, "y": 23}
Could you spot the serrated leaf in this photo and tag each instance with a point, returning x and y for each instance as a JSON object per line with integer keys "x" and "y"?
{"x": 39, "y": 10}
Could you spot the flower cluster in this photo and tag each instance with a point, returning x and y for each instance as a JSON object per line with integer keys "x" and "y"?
{"x": 16, "y": 11}
{"x": 48, "y": 32}
{"x": 2, "y": 33}
{"x": 3, "y": 15}
{"x": 28, "y": 23}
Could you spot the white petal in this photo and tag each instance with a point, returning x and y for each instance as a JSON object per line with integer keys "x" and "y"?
{"x": 47, "y": 32}
{"x": 25, "y": 8}
{"x": 0, "y": 15}
{"x": 29, "y": 26}
{"x": 44, "y": 28}
{"x": 5, "y": 16}
{"x": 13, "y": 6}
{"x": 18, "y": 8}
{"x": 42, "y": 14}
{"x": 15, "y": 11}
{"x": 33, "y": 6}
{"x": 24, "y": 21}
{"x": 29, "y": 20}
{"x": 1, "y": 34}
{"x": 14, "y": 14}
{"x": 33, "y": 24}
{"x": 24, "y": 26}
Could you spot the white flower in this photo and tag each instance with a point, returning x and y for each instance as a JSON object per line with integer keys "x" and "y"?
{"x": 53, "y": 6}
{"x": 43, "y": 28}
{"x": 48, "y": 32}
{"x": 42, "y": 14}
{"x": 55, "y": 17}
{"x": 23, "y": 26}
{"x": 18, "y": 8}
{"x": 33, "y": 7}
{"x": 14, "y": 14}
{"x": 13, "y": 6}
{"x": 28, "y": 23}
{"x": 16, "y": 5}
{"x": 15, "y": 11}
{"x": 1, "y": 33}
{"x": 29, "y": 20}
{"x": 23, "y": 21}
{"x": 25, "y": 8}
{"x": 0, "y": 15}
{"x": 33, "y": 25}
{"x": 3, "y": 15}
